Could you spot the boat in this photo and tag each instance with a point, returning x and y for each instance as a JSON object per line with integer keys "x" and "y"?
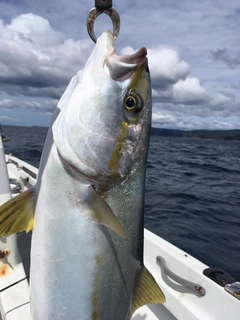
{"x": 192, "y": 289}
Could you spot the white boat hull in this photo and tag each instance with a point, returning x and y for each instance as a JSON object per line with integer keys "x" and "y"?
{"x": 181, "y": 302}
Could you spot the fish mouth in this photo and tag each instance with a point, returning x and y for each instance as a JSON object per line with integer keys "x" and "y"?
{"x": 122, "y": 67}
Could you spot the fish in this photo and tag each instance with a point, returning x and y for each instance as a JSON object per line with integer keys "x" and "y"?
{"x": 86, "y": 209}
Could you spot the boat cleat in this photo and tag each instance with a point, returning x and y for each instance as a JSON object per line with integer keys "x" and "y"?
{"x": 233, "y": 289}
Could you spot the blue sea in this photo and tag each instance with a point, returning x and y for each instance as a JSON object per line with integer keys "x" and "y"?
{"x": 192, "y": 193}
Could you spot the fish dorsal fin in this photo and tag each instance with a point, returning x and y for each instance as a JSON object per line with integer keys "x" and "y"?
{"x": 17, "y": 214}
{"x": 146, "y": 290}
{"x": 94, "y": 208}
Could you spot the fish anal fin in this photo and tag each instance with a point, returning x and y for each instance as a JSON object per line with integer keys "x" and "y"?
{"x": 146, "y": 290}
{"x": 17, "y": 214}
{"x": 94, "y": 208}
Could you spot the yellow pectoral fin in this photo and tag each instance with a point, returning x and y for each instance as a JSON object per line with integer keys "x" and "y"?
{"x": 94, "y": 208}
{"x": 17, "y": 214}
{"x": 146, "y": 290}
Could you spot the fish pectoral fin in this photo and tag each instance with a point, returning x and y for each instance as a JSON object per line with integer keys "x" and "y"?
{"x": 17, "y": 214}
{"x": 146, "y": 290}
{"x": 94, "y": 208}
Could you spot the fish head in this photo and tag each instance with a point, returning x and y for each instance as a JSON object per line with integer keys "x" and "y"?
{"x": 103, "y": 128}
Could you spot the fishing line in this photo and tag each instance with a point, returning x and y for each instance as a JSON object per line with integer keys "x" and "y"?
{"x": 173, "y": 195}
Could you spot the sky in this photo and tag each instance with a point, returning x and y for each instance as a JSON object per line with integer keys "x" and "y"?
{"x": 193, "y": 52}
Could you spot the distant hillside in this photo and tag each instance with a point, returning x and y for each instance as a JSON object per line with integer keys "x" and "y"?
{"x": 198, "y": 134}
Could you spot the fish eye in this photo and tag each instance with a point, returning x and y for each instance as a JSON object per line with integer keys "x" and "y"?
{"x": 133, "y": 103}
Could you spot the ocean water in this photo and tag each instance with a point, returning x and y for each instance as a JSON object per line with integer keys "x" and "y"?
{"x": 192, "y": 196}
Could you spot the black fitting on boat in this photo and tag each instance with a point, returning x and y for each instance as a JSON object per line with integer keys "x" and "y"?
{"x": 219, "y": 276}
{"x": 15, "y": 186}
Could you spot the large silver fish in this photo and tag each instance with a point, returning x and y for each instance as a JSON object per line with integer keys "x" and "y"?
{"x": 87, "y": 243}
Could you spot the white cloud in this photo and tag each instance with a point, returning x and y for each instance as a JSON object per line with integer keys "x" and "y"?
{"x": 33, "y": 55}
{"x": 222, "y": 99}
{"x": 11, "y": 119}
{"x": 159, "y": 117}
{"x": 127, "y": 50}
{"x": 221, "y": 125}
{"x": 34, "y": 106}
{"x": 166, "y": 119}
{"x": 180, "y": 105}
{"x": 166, "y": 67}
{"x": 190, "y": 91}
{"x": 39, "y": 54}
{"x": 187, "y": 91}
{"x": 33, "y": 29}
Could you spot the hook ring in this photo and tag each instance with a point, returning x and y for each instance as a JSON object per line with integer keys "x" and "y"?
{"x": 94, "y": 13}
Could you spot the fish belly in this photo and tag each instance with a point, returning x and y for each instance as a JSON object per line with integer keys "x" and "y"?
{"x": 79, "y": 269}
{"x": 62, "y": 259}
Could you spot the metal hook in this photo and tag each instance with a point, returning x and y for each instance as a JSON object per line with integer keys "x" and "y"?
{"x": 103, "y": 6}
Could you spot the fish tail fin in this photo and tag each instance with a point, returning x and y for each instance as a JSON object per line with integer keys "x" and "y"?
{"x": 146, "y": 290}
{"x": 17, "y": 214}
